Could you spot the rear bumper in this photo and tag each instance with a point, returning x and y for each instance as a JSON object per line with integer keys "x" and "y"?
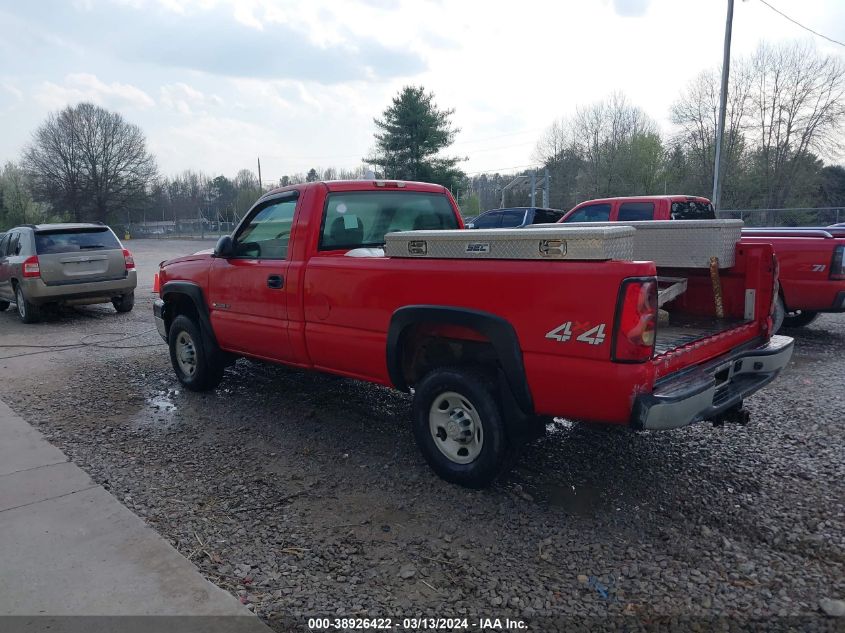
{"x": 158, "y": 317}
{"x": 38, "y": 292}
{"x": 704, "y": 392}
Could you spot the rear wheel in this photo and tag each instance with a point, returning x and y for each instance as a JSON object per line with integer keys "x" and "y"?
{"x": 778, "y": 314}
{"x": 799, "y": 318}
{"x": 28, "y": 312}
{"x": 194, "y": 364}
{"x": 458, "y": 426}
{"x": 124, "y": 303}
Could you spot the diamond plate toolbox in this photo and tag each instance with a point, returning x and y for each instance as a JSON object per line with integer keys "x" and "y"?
{"x": 563, "y": 242}
{"x": 681, "y": 243}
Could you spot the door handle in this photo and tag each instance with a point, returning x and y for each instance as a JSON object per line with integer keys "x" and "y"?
{"x": 275, "y": 282}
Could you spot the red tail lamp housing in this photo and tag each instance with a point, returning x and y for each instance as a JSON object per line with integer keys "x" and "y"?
{"x": 128, "y": 259}
{"x": 636, "y": 321}
{"x": 31, "y": 267}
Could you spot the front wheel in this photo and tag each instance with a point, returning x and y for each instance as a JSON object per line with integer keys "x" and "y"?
{"x": 799, "y": 318}
{"x": 458, "y": 426}
{"x": 28, "y": 312}
{"x": 194, "y": 364}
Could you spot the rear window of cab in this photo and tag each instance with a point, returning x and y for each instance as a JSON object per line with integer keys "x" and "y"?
{"x": 356, "y": 219}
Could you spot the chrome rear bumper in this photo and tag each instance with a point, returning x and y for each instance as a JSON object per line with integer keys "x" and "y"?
{"x": 706, "y": 391}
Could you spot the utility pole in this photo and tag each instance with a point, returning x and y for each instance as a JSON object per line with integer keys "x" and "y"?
{"x": 720, "y": 131}
{"x": 533, "y": 186}
{"x": 259, "y": 174}
{"x": 546, "y": 190}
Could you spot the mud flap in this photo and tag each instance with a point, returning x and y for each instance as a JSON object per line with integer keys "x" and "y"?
{"x": 521, "y": 427}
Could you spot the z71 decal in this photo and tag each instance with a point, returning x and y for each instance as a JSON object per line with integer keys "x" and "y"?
{"x": 564, "y": 332}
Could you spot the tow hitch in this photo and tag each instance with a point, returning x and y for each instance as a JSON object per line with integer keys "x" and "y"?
{"x": 737, "y": 414}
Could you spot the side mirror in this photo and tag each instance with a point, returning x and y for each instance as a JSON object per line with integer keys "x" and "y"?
{"x": 225, "y": 247}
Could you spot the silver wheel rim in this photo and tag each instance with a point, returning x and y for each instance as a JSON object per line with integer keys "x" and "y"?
{"x": 456, "y": 427}
{"x": 21, "y": 305}
{"x": 186, "y": 353}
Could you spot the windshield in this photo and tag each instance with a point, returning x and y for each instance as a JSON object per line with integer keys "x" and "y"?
{"x": 74, "y": 240}
{"x": 362, "y": 218}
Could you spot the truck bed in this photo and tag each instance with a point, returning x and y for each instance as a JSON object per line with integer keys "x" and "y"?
{"x": 685, "y": 329}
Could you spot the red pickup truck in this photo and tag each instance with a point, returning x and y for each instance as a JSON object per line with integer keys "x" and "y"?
{"x": 489, "y": 341}
{"x": 812, "y": 260}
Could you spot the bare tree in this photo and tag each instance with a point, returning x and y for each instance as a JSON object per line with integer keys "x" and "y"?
{"x": 89, "y": 161}
{"x": 54, "y": 164}
{"x": 798, "y": 110}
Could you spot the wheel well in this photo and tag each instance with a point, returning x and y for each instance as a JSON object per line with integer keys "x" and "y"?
{"x": 423, "y": 348}
{"x": 178, "y": 303}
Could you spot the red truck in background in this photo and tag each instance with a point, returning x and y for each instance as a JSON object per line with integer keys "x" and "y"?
{"x": 489, "y": 346}
{"x": 811, "y": 260}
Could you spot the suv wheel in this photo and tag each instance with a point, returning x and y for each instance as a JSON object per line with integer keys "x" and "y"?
{"x": 458, "y": 426}
{"x": 28, "y": 312}
{"x": 194, "y": 365}
{"x": 124, "y": 303}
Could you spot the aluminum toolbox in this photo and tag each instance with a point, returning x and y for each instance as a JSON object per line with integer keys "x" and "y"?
{"x": 681, "y": 243}
{"x": 554, "y": 242}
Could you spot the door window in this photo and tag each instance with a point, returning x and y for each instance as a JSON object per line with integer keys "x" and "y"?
{"x": 693, "y": 210}
{"x": 4, "y": 244}
{"x": 591, "y": 213}
{"x": 513, "y": 218}
{"x": 633, "y": 211}
{"x": 267, "y": 235}
{"x": 488, "y": 221}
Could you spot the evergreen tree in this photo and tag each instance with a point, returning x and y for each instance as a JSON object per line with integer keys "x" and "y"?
{"x": 412, "y": 133}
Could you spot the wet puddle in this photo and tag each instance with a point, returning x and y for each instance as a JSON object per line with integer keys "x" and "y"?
{"x": 158, "y": 411}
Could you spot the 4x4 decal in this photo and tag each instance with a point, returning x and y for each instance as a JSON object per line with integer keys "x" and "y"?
{"x": 564, "y": 332}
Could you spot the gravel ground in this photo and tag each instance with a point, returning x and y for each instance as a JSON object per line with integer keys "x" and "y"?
{"x": 305, "y": 495}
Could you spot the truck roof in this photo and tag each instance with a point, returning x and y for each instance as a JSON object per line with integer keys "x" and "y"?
{"x": 363, "y": 185}
{"x": 670, "y": 197}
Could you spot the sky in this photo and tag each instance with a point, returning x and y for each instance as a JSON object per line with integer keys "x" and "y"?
{"x": 215, "y": 84}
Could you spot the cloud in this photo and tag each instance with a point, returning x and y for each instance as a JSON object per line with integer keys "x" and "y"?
{"x": 219, "y": 41}
{"x": 86, "y": 87}
{"x": 186, "y": 99}
{"x": 631, "y": 8}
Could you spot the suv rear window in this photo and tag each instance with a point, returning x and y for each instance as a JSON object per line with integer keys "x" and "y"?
{"x": 361, "y": 218}
{"x": 74, "y": 240}
{"x": 692, "y": 210}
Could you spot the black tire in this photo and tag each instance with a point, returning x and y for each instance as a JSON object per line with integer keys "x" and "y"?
{"x": 477, "y": 390}
{"x": 27, "y": 312}
{"x": 778, "y": 314}
{"x": 193, "y": 363}
{"x": 124, "y": 303}
{"x": 4, "y": 305}
{"x": 799, "y": 318}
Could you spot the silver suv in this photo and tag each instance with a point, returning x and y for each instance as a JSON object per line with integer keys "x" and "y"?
{"x": 70, "y": 264}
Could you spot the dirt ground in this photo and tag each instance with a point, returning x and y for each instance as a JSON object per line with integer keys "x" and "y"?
{"x": 305, "y": 495}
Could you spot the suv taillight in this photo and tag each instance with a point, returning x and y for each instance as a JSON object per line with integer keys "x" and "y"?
{"x": 31, "y": 268}
{"x": 128, "y": 259}
{"x": 837, "y": 264}
{"x": 636, "y": 318}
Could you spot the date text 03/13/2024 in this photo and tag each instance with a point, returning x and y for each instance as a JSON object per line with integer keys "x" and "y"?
{"x": 417, "y": 624}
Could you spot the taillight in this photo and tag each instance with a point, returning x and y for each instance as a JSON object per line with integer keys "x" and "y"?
{"x": 636, "y": 318}
{"x": 837, "y": 264}
{"x": 31, "y": 267}
{"x": 128, "y": 259}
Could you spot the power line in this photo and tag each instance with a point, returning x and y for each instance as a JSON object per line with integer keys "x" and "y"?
{"x": 806, "y": 28}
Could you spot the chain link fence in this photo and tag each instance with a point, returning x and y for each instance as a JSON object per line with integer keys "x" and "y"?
{"x": 178, "y": 229}
{"x": 821, "y": 216}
